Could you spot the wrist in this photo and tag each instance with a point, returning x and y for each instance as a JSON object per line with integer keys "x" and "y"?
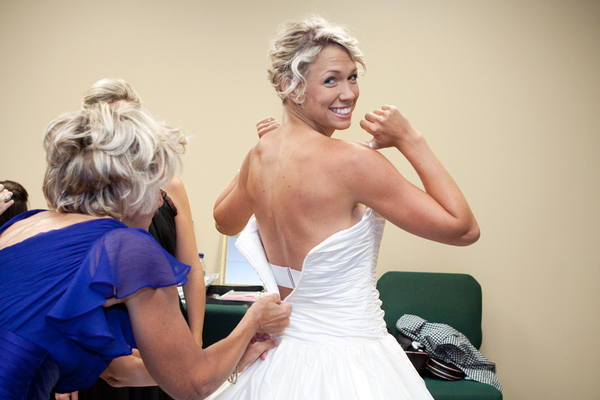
{"x": 410, "y": 143}
{"x": 251, "y": 322}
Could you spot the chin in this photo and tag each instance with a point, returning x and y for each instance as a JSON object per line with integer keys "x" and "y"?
{"x": 343, "y": 126}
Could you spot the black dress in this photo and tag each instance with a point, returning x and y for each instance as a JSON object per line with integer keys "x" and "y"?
{"x": 162, "y": 228}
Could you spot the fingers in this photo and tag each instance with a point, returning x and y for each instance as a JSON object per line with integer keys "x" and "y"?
{"x": 274, "y": 297}
{"x": 261, "y": 337}
{"x": 264, "y": 346}
{"x": 265, "y": 121}
{"x": 256, "y": 350}
{"x": 388, "y": 126}
{"x": 273, "y": 316}
{"x": 5, "y": 199}
{"x": 372, "y": 121}
{"x": 5, "y": 194}
{"x": 66, "y": 396}
{"x": 266, "y": 125}
{"x": 372, "y": 144}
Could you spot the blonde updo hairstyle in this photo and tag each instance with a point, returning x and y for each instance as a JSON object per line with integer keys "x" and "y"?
{"x": 297, "y": 45}
{"x": 111, "y": 157}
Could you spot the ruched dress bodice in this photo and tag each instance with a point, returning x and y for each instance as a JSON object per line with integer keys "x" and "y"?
{"x": 337, "y": 345}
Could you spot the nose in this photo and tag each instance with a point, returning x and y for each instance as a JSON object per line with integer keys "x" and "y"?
{"x": 347, "y": 92}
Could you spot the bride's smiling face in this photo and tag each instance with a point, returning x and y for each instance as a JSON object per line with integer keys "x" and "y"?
{"x": 331, "y": 90}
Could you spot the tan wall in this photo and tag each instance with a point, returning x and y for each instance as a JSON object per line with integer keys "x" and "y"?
{"x": 507, "y": 93}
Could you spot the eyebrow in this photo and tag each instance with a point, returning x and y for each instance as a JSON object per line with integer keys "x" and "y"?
{"x": 336, "y": 71}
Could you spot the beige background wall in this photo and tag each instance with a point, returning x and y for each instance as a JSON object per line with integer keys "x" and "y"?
{"x": 507, "y": 93}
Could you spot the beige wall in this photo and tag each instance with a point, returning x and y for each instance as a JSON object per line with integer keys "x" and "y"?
{"x": 507, "y": 93}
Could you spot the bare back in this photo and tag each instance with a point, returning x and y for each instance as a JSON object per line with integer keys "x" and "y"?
{"x": 40, "y": 223}
{"x": 298, "y": 189}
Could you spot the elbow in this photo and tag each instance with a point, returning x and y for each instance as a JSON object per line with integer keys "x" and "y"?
{"x": 203, "y": 393}
{"x": 219, "y": 223}
{"x": 227, "y": 230}
{"x": 469, "y": 235}
{"x": 229, "y": 225}
{"x": 198, "y": 391}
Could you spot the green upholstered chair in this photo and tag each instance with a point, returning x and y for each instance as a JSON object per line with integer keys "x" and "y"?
{"x": 221, "y": 317}
{"x": 219, "y": 321}
{"x": 452, "y": 299}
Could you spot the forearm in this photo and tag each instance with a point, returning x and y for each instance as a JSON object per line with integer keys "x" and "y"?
{"x": 194, "y": 290}
{"x": 227, "y": 353}
{"x": 195, "y": 299}
{"x": 201, "y": 373}
{"x": 170, "y": 353}
{"x": 186, "y": 251}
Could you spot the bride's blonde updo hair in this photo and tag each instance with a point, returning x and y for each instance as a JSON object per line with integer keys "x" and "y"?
{"x": 111, "y": 157}
{"x": 297, "y": 45}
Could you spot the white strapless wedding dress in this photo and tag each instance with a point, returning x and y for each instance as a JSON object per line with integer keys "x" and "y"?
{"x": 337, "y": 345}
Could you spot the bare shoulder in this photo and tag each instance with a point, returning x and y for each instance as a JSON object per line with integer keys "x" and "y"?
{"x": 176, "y": 191}
{"x": 39, "y": 223}
{"x": 174, "y": 187}
{"x": 356, "y": 158}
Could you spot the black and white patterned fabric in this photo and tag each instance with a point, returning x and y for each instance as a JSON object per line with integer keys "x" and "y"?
{"x": 445, "y": 343}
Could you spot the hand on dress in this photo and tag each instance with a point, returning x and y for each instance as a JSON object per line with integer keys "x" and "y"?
{"x": 4, "y": 195}
{"x": 266, "y": 125}
{"x": 271, "y": 315}
{"x": 258, "y": 348}
{"x": 389, "y": 128}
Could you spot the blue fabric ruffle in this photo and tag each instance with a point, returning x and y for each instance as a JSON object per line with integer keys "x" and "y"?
{"x": 55, "y": 285}
{"x": 122, "y": 262}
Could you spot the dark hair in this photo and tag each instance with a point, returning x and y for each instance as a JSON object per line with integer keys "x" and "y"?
{"x": 19, "y": 195}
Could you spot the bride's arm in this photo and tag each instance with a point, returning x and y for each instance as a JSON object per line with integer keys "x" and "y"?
{"x": 232, "y": 209}
{"x": 440, "y": 212}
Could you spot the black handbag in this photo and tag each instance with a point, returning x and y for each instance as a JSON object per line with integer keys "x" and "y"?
{"x": 443, "y": 370}
{"x": 415, "y": 352}
{"x": 424, "y": 364}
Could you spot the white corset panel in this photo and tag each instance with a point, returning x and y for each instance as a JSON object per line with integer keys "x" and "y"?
{"x": 335, "y": 297}
{"x": 285, "y": 276}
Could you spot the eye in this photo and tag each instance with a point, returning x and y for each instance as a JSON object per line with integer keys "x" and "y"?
{"x": 330, "y": 81}
{"x": 353, "y": 77}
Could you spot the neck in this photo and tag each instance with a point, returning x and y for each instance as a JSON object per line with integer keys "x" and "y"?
{"x": 296, "y": 115}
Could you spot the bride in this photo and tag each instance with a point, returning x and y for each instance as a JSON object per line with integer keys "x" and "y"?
{"x": 314, "y": 209}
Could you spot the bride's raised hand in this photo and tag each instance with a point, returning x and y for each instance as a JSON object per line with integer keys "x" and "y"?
{"x": 390, "y": 128}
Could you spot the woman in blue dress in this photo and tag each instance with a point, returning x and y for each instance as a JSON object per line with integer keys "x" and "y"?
{"x": 172, "y": 227}
{"x": 83, "y": 284}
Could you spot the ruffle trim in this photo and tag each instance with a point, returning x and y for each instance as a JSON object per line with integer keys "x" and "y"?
{"x": 119, "y": 264}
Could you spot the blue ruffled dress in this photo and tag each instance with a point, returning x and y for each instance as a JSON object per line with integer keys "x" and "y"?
{"x": 54, "y": 330}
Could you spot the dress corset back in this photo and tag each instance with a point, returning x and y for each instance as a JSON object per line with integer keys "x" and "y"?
{"x": 335, "y": 300}
{"x": 347, "y": 308}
